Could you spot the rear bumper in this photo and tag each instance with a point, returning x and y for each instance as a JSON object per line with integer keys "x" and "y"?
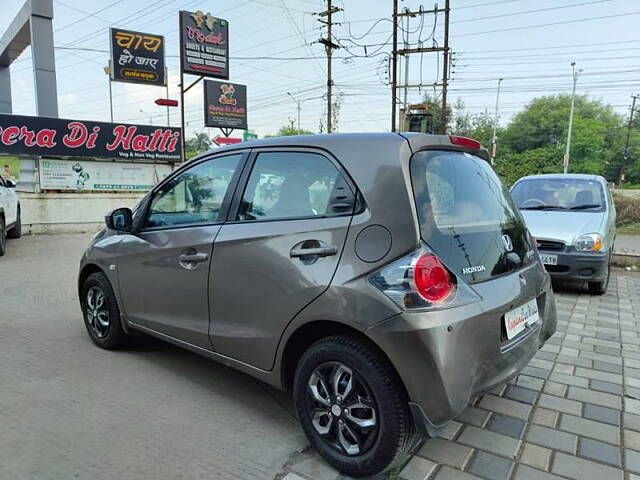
{"x": 447, "y": 357}
{"x": 574, "y": 265}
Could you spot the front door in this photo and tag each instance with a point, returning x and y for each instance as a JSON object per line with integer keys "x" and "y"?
{"x": 279, "y": 253}
{"x": 164, "y": 269}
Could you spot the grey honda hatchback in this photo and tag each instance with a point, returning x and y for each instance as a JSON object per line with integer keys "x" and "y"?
{"x": 386, "y": 279}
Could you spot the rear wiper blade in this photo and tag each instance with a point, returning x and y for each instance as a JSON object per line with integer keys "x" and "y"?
{"x": 544, "y": 207}
{"x": 584, "y": 207}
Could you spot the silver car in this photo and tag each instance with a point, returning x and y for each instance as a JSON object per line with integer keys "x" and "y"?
{"x": 385, "y": 279}
{"x": 573, "y": 218}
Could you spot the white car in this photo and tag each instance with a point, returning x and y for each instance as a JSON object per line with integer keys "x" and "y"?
{"x": 10, "y": 225}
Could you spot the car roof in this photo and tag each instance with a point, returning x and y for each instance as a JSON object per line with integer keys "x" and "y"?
{"x": 577, "y": 176}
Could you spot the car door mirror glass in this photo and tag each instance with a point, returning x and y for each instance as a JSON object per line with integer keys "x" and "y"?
{"x": 121, "y": 219}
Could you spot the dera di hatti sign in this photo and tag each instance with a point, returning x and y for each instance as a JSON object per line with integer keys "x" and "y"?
{"x": 78, "y": 138}
{"x": 225, "y": 104}
{"x": 204, "y": 44}
{"x": 137, "y": 57}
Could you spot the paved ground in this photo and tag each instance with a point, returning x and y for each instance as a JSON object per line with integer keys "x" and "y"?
{"x": 71, "y": 410}
{"x": 627, "y": 244}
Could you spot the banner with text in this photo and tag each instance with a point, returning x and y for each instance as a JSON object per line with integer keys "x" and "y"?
{"x": 137, "y": 57}
{"x": 93, "y": 175}
{"x": 78, "y": 138}
{"x": 225, "y": 104}
{"x": 204, "y": 44}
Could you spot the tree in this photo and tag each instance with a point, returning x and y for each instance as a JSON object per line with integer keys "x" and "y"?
{"x": 198, "y": 144}
{"x": 290, "y": 130}
{"x": 512, "y": 166}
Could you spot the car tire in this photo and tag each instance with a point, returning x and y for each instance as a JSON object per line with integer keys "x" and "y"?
{"x": 600, "y": 288}
{"x": 3, "y": 238}
{"x": 16, "y": 230}
{"x": 101, "y": 312}
{"x": 370, "y": 430}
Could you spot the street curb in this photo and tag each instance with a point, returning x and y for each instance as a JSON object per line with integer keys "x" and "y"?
{"x": 626, "y": 259}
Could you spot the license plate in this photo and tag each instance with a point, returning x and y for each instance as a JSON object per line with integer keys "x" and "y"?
{"x": 517, "y": 319}
{"x": 549, "y": 259}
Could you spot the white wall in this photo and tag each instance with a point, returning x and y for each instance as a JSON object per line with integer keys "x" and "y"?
{"x": 70, "y": 212}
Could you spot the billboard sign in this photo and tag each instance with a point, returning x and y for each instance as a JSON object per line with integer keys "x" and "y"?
{"x": 23, "y": 135}
{"x": 137, "y": 57}
{"x": 102, "y": 176}
{"x": 204, "y": 45}
{"x": 225, "y": 104}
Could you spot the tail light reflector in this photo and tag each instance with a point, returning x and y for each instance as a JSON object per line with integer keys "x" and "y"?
{"x": 433, "y": 281}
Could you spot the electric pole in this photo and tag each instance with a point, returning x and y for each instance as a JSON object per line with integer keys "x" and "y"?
{"x": 574, "y": 73}
{"x": 329, "y": 47}
{"x": 445, "y": 70}
{"x": 625, "y": 156}
{"x": 394, "y": 66}
{"x": 494, "y": 139}
{"x": 299, "y": 108}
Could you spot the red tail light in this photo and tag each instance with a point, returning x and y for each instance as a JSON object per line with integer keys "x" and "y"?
{"x": 433, "y": 280}
{"x": 465, "y": 142}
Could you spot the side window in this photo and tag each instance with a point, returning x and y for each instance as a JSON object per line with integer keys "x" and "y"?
{"x": 294, "y": 184}
{"x": 1, "y": 182}
{"x": 194, "y": 196}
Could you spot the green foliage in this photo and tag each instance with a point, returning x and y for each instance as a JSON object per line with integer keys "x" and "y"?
{"x": 198, "y": 144}
{"x": 627, "y": 210}
{"x": 512, "y": 166}
{"x": 290, "y": 130}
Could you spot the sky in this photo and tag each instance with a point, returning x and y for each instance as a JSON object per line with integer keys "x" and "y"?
{"x": 274, "y": 50}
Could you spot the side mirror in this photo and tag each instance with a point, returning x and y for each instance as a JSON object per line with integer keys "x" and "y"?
{"x": 121, "y": 219}
{"x": 9, "y": 183}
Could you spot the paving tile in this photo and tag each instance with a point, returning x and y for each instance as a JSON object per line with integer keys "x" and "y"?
{"x": 531, "y": 383}
{"x": 577, "y": 361}
{"x": 315, "y": 467}
{"x": 597, "y": 398}
{"x": 555, "y": 439}
{"x": 557, "y": 389}
{"x": 600, "y": 356}
{"x": 598, "y": 375}
{"x": 607, "y": 387}
{"x": 520, "y": 394}
{"x": 536, "y": 372}
{"x": 450, "y": 430}
{"x": 444, "y": 451}
{"x": 600, "y": 452}
{"x": 581, "y": 469}
{"x": 528, "y": 473}
{"x": 590, "y": 428}
{"x": 569, "y": 380}
{"x": 564, "y": 369}
{"x": 418, "y": 469}
{"x": 560, "y": 404}
{"x": 632, "y": 460}
{"x": 506, "y": 406}
{"x": 292, "y": 476}
{"x": 545, "y": 417}
{"x": 510, "y": 426}
{"x": 607, "y": 350}
{"x": 448, "y": 473}
{"x": 631, "y": 421}
{"x": 490, "y": 466}
{"x": 545, "y": 355}
{"x": 601, "y": 414}
{"x": 538, "y": 362}
{"x": 474, "y": 416}
{"x": 493, "y": 442}
{"x": 632, "y": 440}
{"x": 607, "y": 367}
{"x": 536, "y": 456}
{"x": 631, "y": 405}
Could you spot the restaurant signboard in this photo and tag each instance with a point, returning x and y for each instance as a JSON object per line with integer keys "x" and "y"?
{"x": 204, "y": 45}
{"x": 137, "y": 57}
{"x": 225, "y": 104}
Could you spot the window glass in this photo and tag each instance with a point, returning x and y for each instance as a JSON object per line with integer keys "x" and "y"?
{"x": 576, "y": 194}
{"x": 287, "y": 185}
{"x": 466, "y": 215}
{"x": 194, "y": 196}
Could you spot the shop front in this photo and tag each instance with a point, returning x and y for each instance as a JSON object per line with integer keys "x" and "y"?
{"x": 70, "y": 173}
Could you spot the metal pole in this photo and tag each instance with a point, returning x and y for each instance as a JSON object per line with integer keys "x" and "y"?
{"x": 406, "y": 64}
{"x": 184, "y": 143}
{"x": 329, "y": 52}
{"x": 110, "y": 93}
{"x": 494, "y": 139}
{"x": 394, "y": 66}
{"x": 445, "y": 70}
{"x": 573, "y": 98}
{"x": 166, "y": 76}
{"x": 625, "y": 156}
{"x": 298, "y": 107}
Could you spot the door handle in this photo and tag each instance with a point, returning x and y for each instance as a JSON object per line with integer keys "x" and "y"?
{"x": 316, "y": 251}
{"x": 193, "y": 257}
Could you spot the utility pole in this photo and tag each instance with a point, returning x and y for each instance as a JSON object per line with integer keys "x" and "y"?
{"x": 394, "y": 66}
{"x": 107, "y": 70}
{"x": 494, "y": 139}
{"x": 625, "y": 156}
{"x": 299, "y": 108}
{"x": 445, "y": 70}
{"x": 574, "y": 73}
{"x": 329, "y": 47}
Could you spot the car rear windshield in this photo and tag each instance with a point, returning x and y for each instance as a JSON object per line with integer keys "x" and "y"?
{"x": 563, "y": 194}
{"x": 466, "y": 215}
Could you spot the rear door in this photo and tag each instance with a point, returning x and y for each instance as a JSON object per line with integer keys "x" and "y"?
{"x": 164, "y": 268}
{"x": 279, "y": 252}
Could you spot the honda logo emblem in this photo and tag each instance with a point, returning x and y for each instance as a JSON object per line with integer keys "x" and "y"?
{"x": 508, "y": 244}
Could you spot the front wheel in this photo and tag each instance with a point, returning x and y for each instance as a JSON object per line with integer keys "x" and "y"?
{"x": 600, "y": 288}
{"x": 16, "y": 230}
{"x": 352, "y": 406}
{"x": 101, "y": 312}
